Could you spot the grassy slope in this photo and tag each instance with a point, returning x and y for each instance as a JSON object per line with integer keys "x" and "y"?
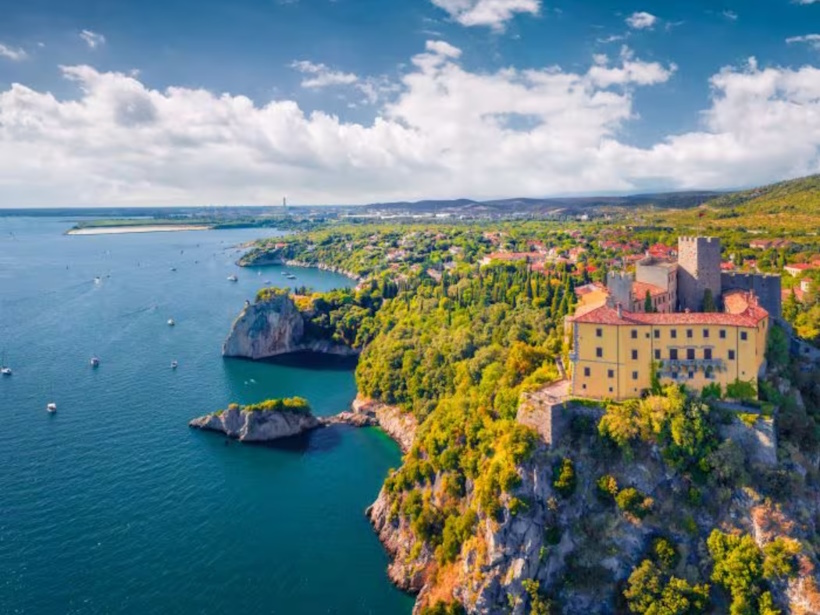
{"x": 786, "y": 208}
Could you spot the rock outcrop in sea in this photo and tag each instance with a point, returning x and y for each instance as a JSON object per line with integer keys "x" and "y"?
{"x": 272, "y": 327}
{"x": 257, "y": 426}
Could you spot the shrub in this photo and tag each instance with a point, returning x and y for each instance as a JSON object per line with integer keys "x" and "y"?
{"x": 564, "y": 479}
{"x": 634, "y": 503}
{"x": 607, "y": 487}
{"x": 443, "y": 608}
{"x": 780, "y": 557}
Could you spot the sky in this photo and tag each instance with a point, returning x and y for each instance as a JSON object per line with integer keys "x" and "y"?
{"x": 174, "y": 102}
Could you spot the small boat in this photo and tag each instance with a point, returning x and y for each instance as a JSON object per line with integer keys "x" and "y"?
{"x": 95, "y": 362}
{"x": 97, "y": 280}
{"x": 51, "y": 407}
{"x": 290, "y": 276}
{"x": 174, "y": 364}
{"x": 233, "y": 278}
{"x": 285, "y": 273}
{"x": 173, "y": 268}
{"x": 171, "y": 322}
{"x": 5, "y": 371}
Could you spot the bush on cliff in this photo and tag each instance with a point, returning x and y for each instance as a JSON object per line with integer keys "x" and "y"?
{"x": 288, "y": 404}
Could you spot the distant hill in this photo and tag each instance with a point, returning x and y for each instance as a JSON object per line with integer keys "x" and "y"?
{"x": 800, "y": 196}
{"x": 786, "y": 208}
{"x": 545, "y": 206}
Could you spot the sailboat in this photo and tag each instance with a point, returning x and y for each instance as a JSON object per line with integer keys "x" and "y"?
{"x": 51, "y": 407}
{"x": 5, "y": 370}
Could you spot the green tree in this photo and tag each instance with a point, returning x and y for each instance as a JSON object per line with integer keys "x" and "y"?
{"x": 709, "y": 301}
{"x": 564, "y": 479}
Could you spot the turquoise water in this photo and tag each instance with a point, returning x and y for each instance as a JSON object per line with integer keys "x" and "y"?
{"x": 113, "y": 504}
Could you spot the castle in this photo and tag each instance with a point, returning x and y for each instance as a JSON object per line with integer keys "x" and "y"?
{"x": 684, "y": 322}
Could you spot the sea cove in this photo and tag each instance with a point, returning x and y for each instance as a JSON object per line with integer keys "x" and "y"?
{"x": 114, "y": 504}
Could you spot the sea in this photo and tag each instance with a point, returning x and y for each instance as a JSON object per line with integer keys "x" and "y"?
{"x": 113, "y": 504}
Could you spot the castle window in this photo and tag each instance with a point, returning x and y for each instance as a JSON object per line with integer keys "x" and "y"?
{"x": 634, "y": 355}
{"x": 610, "y": 373}
{"x": 657, "y": 355}
{"x": 599, "y": 352}
{"x": 599, "y": 332}
{"x": 731, "y": 355}
{"x": 634, "y": 375}
{"x": 690, "y": 354}
{"x": 707, "y": 354}
{"x": 691, "y": 375}
{"x": 586, "y": 372}
{"x": 706, "y": 333}
{"x": 744, "y": 336}
{"x": 657, "y": 334}
{"x": 689, "y": 333}
{"x": 723, "y": 334}
{"x": 634, "y": 334}
{"x": 674, "y": 333}
{"x": 673, "y": 354}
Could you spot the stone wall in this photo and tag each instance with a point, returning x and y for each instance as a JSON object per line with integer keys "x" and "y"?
{"x": 619, "y": 285}
{"x": 698, "y": 270}
{"x": 766, "y": 286}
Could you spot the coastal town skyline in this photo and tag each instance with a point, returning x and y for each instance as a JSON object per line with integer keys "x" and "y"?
{"x": 357, "y": 102}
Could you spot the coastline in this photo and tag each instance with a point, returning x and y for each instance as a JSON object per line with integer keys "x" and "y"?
{"x": 126, "y": 230}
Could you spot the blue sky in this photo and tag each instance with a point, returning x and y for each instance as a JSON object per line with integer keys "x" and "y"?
{"x": 360, "y": 100}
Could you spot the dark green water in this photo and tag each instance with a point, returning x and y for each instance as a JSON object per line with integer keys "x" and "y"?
{"x": 114, "y": 505}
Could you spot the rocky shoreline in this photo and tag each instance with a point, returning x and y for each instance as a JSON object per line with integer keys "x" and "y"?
{"x": 275, "y": 327}
{"x": 249, "y": 426}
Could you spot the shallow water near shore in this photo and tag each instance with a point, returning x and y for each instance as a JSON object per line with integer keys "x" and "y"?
{"x": 113, "y": 504}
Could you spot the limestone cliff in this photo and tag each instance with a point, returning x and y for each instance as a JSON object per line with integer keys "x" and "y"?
{"x": 274, "y": 326}
{"x": 254, "y": 426}
{"x": 581, "y": 548}
{"x": 399, "y": 425}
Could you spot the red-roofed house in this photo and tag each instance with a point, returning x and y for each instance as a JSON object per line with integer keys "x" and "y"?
{"x": 798, "y": 269}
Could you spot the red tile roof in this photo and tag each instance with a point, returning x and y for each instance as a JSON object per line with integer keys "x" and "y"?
{"x": 639, "y": 290}
{"x": 606, "y": 315}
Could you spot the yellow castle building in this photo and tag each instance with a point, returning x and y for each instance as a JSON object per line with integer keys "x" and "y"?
{"x": 615, "y": 351}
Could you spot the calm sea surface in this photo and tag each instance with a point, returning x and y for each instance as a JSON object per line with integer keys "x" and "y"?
{"x": 114, "y": 505}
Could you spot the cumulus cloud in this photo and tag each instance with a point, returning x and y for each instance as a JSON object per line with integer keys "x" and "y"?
{"x": 809, "y": 39}
{"x": 446, "y": 132}
{"x": 12, "y": 53}
{"x": 92, "y": 39}
{"x": 641, "y": 20}
{"x": 320, "y": 76}
{"x": 490, "y": 13}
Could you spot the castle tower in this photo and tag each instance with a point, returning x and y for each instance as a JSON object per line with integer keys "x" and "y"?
{"x": 698, "y": 270}
{"x": 619, "y": 285}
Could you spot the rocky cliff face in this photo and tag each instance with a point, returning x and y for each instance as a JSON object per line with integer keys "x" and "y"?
{"x": 399, "y": 425}
{"x": 274, "y": 327}
{"x": 257, "y": 426}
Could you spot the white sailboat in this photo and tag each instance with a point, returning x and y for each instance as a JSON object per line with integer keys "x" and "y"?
{"x": 5, "y": 370}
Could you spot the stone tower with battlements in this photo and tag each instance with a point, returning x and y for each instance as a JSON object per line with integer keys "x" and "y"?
{"x": 698, "y": 270}
{"x": 619, "y": 285}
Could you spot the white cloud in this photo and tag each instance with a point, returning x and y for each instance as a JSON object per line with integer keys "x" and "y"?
{"x": 806, "y": 1}
{"x": 810, "y": 39}
{"x": 447, "y": 132}
{"x": 491, "y": 13}
{"x": 92, "y": 39}
{"x": 320, "y": 76}
{"x": 730, "y": 15}
{"x": 641, "y": 20}
{"x": 12, "y": 53}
